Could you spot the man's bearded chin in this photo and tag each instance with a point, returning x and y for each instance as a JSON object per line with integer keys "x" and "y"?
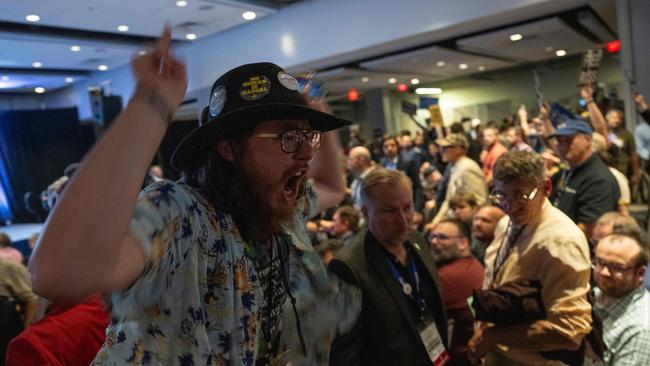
{"x": 261, "y": 220}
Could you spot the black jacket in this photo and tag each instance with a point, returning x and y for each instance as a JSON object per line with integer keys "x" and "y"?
{"x": 386, "y": 333}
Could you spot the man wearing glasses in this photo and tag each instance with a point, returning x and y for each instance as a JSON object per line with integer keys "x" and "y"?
{"x": 200, "y": 270}
{"x": 621, "y": 300}
{"x": 534, "y": 242}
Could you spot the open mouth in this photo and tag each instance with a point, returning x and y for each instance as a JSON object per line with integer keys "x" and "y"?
{"x": 292, "y": 185}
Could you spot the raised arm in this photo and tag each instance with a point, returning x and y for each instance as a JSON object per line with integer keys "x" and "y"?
{"x": 595, "y": 115}
{"x": 326, "y": 168}
{"x": 523, "y": 119}
{"x": 86, "y": 246}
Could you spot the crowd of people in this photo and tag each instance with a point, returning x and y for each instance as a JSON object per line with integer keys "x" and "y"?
{"x": 489, "y": 243}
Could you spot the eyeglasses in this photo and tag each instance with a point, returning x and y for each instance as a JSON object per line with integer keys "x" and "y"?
{"x": 613, "y": 268}
{"x": 442, "y": 237}
{"x": 500, "y": 198}
{"x": 291, "y": 140}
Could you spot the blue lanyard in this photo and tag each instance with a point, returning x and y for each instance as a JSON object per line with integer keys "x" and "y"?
{"x": 406, "y": 287}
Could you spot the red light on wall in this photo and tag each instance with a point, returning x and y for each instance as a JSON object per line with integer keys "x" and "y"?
{"x": 613, "y": 46}
{"x": 402, "y": 88}
{"x": 353, "y": 95}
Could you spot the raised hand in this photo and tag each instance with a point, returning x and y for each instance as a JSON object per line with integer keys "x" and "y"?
{"x": 640, "y": 102}
{"x": 587, "y": 93}
{"x": 160, "y": 71}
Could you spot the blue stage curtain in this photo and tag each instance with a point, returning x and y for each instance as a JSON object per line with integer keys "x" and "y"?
{"x": 35, "y": 148}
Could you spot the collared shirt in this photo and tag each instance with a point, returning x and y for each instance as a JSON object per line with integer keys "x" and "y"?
{"x": 199, "y": 299}
{"x": 626, "y": 328}
{"x": 553, "y": 251}
{"x": 642, "y": 140}
{"x": 356, "y": 187}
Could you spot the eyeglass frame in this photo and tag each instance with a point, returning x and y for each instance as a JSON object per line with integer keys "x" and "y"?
{"x": 303, "y": 137}
{"x": 443, "y": 237}
{"x": 616, "y": 270}
{"x": 522, "y": 198}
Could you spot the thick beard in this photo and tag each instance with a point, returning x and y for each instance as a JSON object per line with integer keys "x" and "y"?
{"x": 258, "y": 220}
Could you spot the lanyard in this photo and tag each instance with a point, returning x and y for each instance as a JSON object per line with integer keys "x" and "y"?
{"x": 501, "y": 255}
{"x": 406, "y": 287}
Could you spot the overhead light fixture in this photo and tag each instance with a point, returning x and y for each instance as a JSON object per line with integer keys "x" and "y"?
{"x": 365, "y": 79}
{"x": 481, "y": 68}
{"x": 181, "y": 3}
{"x": 75, "y": 48}
{"x": 415, "y": 81}
{"x": 39, "y": 90}
{"x": 516, "y": 37}
{"x": 190, "y": 36}
{"x": 462, "y": 66}
{"x": 32, "y": 18}
{"x": 123, "y": 28}
{"x": 560, "y": 53}
{"x": 37, "y": 64}
{"x": 424, "y": 91}
{"x": 4, "y": 78}
{"x": 440, "y": 63}
{"x": 142, "y": 53}
{"x": 249, "y": 15}
{"x": 392, "y": 80}
{"x": 102, "y": 67}
{"x": 69, "y": 80}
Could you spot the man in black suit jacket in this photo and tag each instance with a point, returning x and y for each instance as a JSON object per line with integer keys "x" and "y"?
{"x": 403, "y": 318}
{"x": 393, "y": 160}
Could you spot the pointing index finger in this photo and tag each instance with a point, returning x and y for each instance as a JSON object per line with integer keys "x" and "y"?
{"x": 164, "y": 42}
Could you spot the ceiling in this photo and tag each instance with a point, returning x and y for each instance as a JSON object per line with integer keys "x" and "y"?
{"x": 488, "y": 51}
{"x": 92, "y": 26}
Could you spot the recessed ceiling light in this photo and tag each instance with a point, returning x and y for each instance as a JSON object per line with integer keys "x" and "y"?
{"x": 102, "y": 67}
{"x": 392, "y": 80}
{"x": 69, "y": 80}
{"x": 365, "y": 79}
{"x": 422, "y": 91}
{"x": 415, "y": 81}
{"x": 4, "y": 78}
{"x": 516, "y": 37}
{"x": 190, "y": 36}
{"x": 142, "y": 53}
{"x": 37, "y": 64}
{"x": 39, "y": 90}
{"x": 462, "y": 66}
{"x": 75, "y": 48}
{"x": 440, "y": 63}
{"x": 32, "y": 18}
{"x": 123, "y": 28}
{"x": 560, "y": 53}
{"x": 249, "y": 15}
{"x": 481, "y": 68}
{"x": 181, "y": 3}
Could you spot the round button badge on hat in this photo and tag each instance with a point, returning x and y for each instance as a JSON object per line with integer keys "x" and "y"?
{"x": 217, "y": 100}
{"x": 287, "y": 80}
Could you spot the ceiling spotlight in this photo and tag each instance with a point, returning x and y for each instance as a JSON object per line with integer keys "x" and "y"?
{"x": 142, "y": 53}
{"x": 69, "y": 80}
{"x": 37, "y": 64}
{"x": 462, "y": 66}
{"x": 102, "y": 67}
{"x": 123, "y": 28}
{"x": 75, "y": 48}
{"x": 4, "y": 78}
{"x": 365, "y": 79}
{"x": 181, "y": 3}
{"x": 560, "y": 53}
{"x": 415, "y": 81}
{"x": 39, "y": 90}
{"x": 481, "y": 68}
{"x": 516, "y": 37}
{"x": 392, "y": 80}
{"x": 422, "y": 91}
{"x": 190, "y": 36}
{"x": 440, "y": 63}
{"x": 32, "y": 18}
{"x": 249, "y": 15}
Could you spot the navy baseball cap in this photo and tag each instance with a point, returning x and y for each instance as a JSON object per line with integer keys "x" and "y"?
{"x": 570, "y": 127}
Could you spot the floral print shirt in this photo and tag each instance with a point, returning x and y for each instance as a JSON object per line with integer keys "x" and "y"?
{"x": 198, "y": 300}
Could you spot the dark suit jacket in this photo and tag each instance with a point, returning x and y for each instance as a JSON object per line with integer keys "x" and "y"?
{"x": 410, "y": 168}
{"x": 386, "y": 333}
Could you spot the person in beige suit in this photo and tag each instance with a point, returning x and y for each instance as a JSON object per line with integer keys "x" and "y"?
{"x": 462, "y": 175}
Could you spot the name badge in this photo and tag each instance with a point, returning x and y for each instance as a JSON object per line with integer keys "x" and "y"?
{"x": 433, "y": 344}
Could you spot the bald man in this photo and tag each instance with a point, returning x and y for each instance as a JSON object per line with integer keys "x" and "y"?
{"x": 361, "y": 164}
{"x": 483, "y": 225}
